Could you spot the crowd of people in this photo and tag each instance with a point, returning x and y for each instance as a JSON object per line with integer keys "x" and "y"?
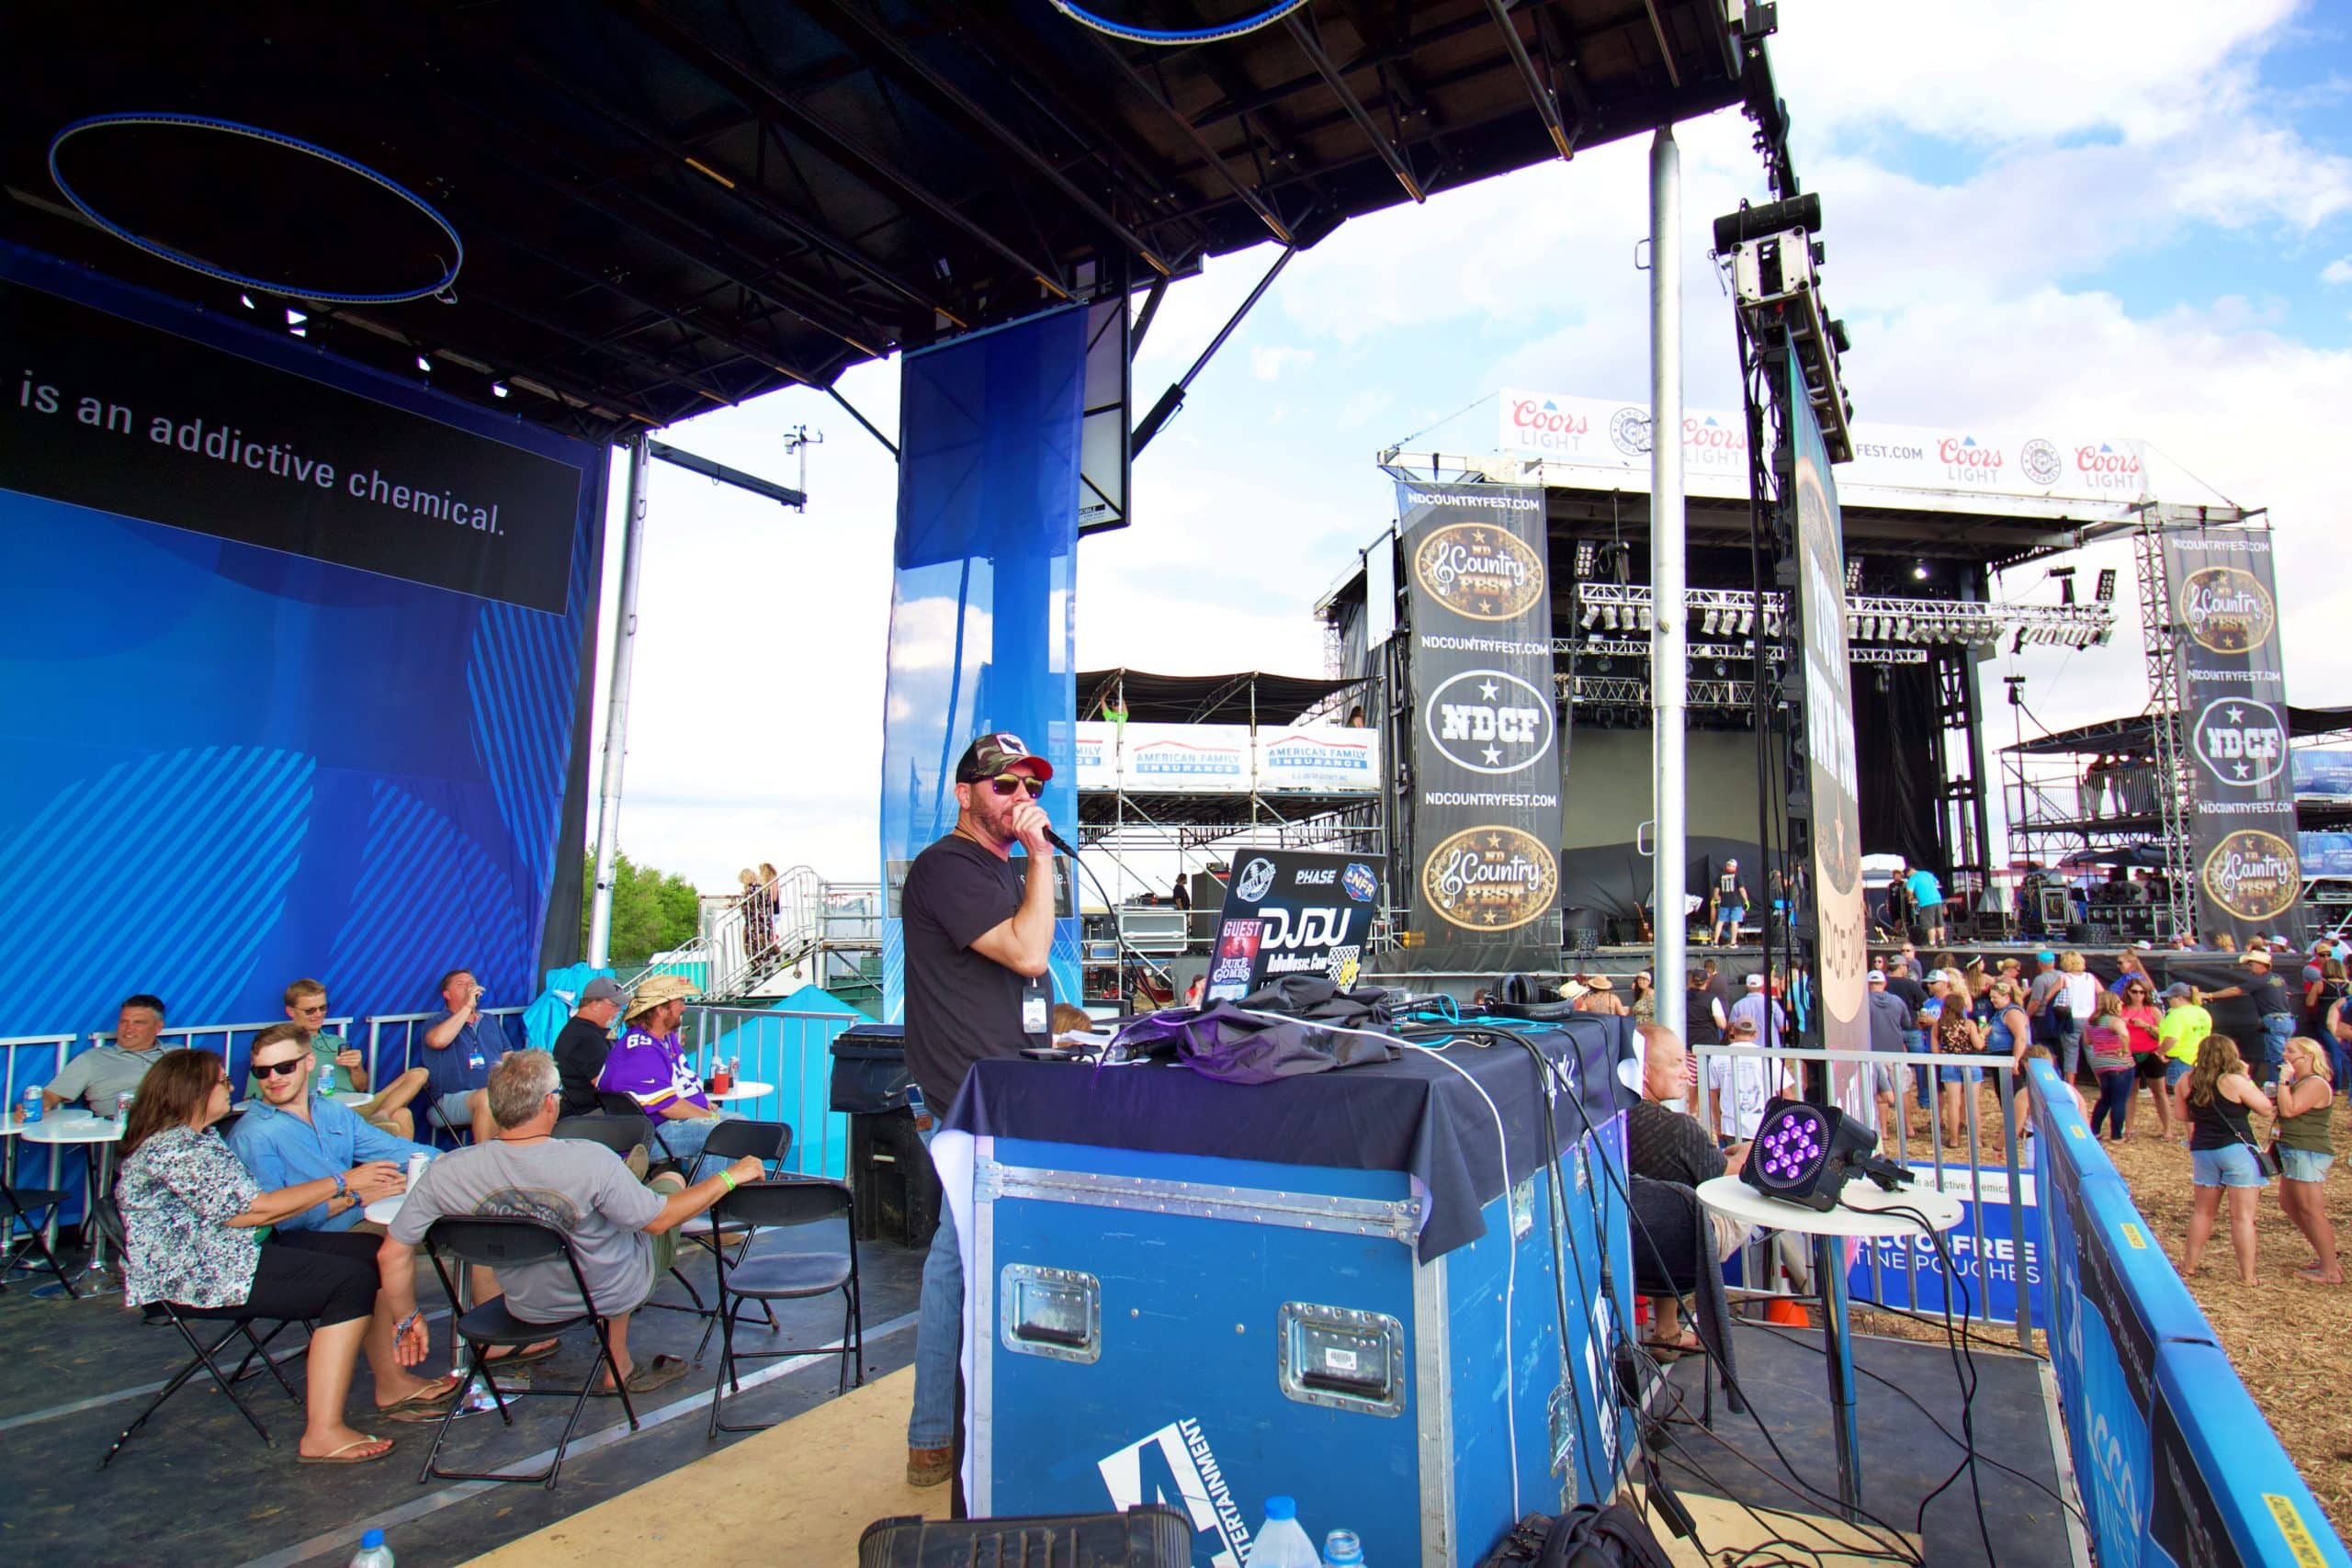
{"x": 258, "y": 1208}
{"x": 2109, "y": 1041}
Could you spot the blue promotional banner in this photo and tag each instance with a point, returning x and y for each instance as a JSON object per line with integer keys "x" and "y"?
{"x": 1995, "y": 1246}
{"x": 982, "y": 627}
{"x": 295, "y": 673}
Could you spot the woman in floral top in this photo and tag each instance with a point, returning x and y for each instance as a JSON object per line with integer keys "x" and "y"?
{"x": 194, "y": 1219}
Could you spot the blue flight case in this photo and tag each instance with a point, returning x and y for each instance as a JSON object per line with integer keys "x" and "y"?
{"x": 1152, "y": 1325}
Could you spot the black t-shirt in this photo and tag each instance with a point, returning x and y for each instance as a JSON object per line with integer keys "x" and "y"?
{"x": 1666, "y": 1145}
{"x": 580, "y": 1052}
{"x": 961, "y": 1007}
{"x": 1727, "y": 890}
{"x": 1913, "y": 994}
{"x": 1699, "y": 1016}
{"x": 2267, "y": 993}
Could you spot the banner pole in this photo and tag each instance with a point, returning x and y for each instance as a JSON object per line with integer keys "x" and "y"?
{"x": 608, "y": 791}
{"x": 1669, "y": 661}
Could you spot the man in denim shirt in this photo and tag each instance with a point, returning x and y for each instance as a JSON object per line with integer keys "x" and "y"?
{"x": 289, "y": 1135}
{"x": 457, "y": 1059}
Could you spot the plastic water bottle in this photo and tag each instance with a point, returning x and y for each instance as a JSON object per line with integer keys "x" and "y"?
{"x": 1280, "y": 1543}
{"x": 1342, "y": 1549}
{"x": 372, "y": 1552}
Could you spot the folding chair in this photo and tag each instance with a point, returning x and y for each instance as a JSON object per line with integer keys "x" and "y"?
{"x": 18, "y": 1207}
{"x": 783, "y": 1276}
{"x": 618, "y": 1105}
{"x": 624, "y": 1135}
{"x": 503, "y": 1243}
{"x": 437, "y": 1127}
{"x": 241, "y": 1322}
{"x": 731, "y": 1140}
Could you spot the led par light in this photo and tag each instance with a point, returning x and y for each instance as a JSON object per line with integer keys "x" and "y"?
{"x": 1804, "y": 1153}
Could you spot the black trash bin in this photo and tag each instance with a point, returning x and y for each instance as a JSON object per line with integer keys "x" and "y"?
{"x": 894, "y": 1190}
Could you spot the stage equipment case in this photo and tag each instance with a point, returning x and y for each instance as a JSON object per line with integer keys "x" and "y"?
{"x": 1161, "y": 1324}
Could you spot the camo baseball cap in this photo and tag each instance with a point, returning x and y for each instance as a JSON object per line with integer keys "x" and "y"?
{"x": 991, "y": 754}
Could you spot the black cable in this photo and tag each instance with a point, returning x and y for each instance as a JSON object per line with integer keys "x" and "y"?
{"x": 1966, "y": 1333}
{"x": 1658, "y": 1255}
{"x": 1949, "y": 1436}
{"x": 1111, "y": 911}
{"x": 1964, "y": 1366}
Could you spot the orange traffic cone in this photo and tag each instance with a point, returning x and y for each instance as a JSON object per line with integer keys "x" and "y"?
{"x": 1788, "y": 1312}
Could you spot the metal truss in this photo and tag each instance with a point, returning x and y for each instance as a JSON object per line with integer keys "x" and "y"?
{"x": 1606, "y": 607}
{"x": 2167, "y": 726}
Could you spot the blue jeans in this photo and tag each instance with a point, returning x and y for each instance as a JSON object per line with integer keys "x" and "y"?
{"x": 2114, "y": 1097}
{"x": 939, "y": 1339}
{"x": 684, "y": 1138}
{"x": 2276, "y": 1028}
{"x": 1914, "y": 1040}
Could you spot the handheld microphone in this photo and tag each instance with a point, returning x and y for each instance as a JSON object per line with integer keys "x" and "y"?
{"x": 1060, "y": 843}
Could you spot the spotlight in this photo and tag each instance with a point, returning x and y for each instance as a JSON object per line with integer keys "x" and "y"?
{"x": 1919, "y": 570}
{"x": 246, "y": 300}
{"x": 1854, "y": 575}
{"x": 2018, "y": 646}
{"x": 1721, "y": 667}
{"x": 295, "y": 318}
{"x": 423, "y": 364}
{"x": 2105, "y": 591}
{"x": 1708, "y": 626}
{"x": 1591, "y": 613}
{"x": 1602, "y": 663}
{"x": 1586, "y": 550}
{"x": 1804, "y": 1153}
{"x": 1649, "y": 622}
{"x": 1608, "y": 617}
{"x": 498, "y": 389}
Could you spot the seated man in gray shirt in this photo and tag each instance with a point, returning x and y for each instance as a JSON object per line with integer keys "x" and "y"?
{"x": 111, "y": 1069}
{"x": 621, "y": 1229}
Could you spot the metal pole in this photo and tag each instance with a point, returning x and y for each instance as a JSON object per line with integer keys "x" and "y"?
{"x": 1670, "y": 659}
{"x": 608, "y": 792}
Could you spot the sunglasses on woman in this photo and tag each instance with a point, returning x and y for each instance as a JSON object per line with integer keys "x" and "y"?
{"x": 1005, "y": 783}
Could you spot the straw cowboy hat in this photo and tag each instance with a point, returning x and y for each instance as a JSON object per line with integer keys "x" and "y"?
{"x": 655, "y": 989}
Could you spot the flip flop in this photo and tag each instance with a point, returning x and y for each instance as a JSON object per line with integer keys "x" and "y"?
{"x": 1675, "y": 1349}
{"x": 337, "y": 1456}
{"x": 659, "y": 1373}
{"x": 524, "y": 1356}
{"x": 425, "y": 1404}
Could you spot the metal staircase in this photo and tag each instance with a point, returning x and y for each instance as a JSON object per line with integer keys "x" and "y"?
{"x": 795, "y": 926}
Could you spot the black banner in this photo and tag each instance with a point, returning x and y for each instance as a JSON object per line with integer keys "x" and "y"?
{"x": 1485, "y": 759}
{"x": 1293, "y": 913}
{"x": 2233, "y": 705}
{"x": 110, "y": 415}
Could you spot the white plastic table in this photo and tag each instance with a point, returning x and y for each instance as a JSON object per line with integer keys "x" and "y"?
{"x": 58, "y": 1128}
{"x": 1864, "y": 1210}
{"x": 745, "y": 1089}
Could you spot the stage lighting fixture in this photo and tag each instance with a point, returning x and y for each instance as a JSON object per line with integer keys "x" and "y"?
{"x": 1586, "y": 550}
{"x": 1608, "y": 617}
{"x": 246, "y": 300}
{"x": 1804, "y": 1153}
{"x": 2018, "y": 646}
{"x": 1601, "y": 662}
{"x": 1902, "y": 627}
{"x": 498, "y": 389}
{"x": 1591, "y": 613}
{"x": 1919, "y": 570}
{"x": 1649, "y": 622}
{"x": 423, "y": 364}
{"x": 1707, "y": 627}
{"x": 2105, "y": 591}
{"x": 1854, "y": 575}
{"x": 1746, "y": 622}
{"x": 1721, "y": 667}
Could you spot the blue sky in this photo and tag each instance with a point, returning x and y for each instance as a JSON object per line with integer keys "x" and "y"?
{"x": 2061, "y": 214}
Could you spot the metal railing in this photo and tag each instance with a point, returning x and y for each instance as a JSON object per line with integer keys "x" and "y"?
{"x": 1963, "y": 1176}
{"x": 403, "y": 1025}
{"x": 792, "y": 1051}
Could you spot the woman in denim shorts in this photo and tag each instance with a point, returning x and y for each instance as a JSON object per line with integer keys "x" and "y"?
{"x": 2306, "y": 1094}
{"x": 2215, "y": 1099}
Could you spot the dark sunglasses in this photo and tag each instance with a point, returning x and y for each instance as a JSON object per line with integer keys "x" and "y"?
{"x": 306, "y": 1012}
{"x": 1005, "y": 783}
{"x": 277, "y": 1069}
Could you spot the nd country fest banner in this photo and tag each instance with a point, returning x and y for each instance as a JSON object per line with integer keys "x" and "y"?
{"x": 2233, "y": 699}
{"x": 1482, "y": 875}
{"x": 1840, "y": 964}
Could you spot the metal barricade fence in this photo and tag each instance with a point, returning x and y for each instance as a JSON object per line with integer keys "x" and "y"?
{"x": 1957, "y": 1169}
{"x": 401, "y": 1029}
{"x": 792, "y": 1051}
{"x": 234, "y": 1042}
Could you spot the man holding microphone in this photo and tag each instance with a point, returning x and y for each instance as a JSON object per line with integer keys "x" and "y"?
{"x": 978, "y": 930}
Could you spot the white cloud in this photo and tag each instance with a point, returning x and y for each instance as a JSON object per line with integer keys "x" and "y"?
{"x": 1269, "y": 361}
{"x": 2337, "y": 271}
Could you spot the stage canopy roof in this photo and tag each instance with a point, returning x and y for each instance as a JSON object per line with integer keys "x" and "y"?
{"x": 1204, "y": 699}
{"x": 2137, "y": 734}
{"x": 668, "y": 206}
